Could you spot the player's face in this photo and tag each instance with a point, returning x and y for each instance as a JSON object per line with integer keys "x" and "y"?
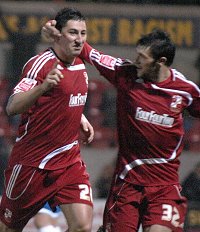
{"x": 73, "y": 38}
{"x": 147, "y": 68}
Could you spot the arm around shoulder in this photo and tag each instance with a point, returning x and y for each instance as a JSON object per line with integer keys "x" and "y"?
{"x": 85, "y": 53}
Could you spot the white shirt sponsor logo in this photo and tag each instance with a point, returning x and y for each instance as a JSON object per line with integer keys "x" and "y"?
{"x": 152, "y": 117}
{"x": 77, "y": 100}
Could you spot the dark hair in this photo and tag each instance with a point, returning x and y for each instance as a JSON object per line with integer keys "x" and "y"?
{"x": 66, "y": 14}
{"x": 160, "y": 45}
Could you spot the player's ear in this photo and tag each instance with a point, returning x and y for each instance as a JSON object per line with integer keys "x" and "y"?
{"x": 162, "y": 60}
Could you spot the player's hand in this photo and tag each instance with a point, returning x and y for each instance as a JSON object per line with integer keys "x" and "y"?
{"x": 49, "y": 32}
{"x": 87, "y": 130}
{"x": 53, "y": 77}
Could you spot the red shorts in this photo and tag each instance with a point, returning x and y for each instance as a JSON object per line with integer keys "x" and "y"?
{"x": 129, "y": 205}
{"x": 27, "y": 189}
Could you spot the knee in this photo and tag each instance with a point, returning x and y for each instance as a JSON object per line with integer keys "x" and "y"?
{"x": 4, "y": 228}
{"x": 81, "y": 228}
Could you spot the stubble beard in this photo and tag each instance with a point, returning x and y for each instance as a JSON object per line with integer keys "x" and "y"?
{"x": 152, "y": 74}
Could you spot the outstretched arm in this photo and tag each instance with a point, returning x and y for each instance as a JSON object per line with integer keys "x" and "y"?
{"x": 108, "y": 66}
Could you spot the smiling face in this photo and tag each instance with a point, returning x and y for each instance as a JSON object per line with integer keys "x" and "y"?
{"x": 70, "y": 44}
{"x": 147, "y": 67}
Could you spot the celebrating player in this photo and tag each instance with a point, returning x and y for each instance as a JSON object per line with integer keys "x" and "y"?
{"x": 45, "y": 164}
{"x": 151, "y": 98}
{"x": 150, "y": 101}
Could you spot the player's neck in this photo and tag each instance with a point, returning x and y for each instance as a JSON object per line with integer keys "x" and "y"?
{"x": 164, "y": 74}
{"x": 67, "y": 60}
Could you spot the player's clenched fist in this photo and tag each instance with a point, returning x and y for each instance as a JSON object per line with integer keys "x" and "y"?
{"x": 49, "y": 32}
{"x": 53, "y": 77}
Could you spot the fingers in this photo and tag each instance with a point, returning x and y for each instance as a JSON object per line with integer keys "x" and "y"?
{"x": 55, "y": 69}
{"x": 91, "y": 134}
{"x": 56, "y": 63}
{"x": 52, "y": 22}
{"x": 87, "y": 130}
{"x": 85, "y": 126}
{"x": 53, "y": 77}
{"x": 49, "y": 30}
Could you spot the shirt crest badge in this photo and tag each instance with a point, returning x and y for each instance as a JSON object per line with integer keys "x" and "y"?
{"x": 176, "y": 103}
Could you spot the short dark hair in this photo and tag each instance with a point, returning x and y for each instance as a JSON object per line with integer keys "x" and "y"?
{"x": 160, "y": 45}
{"x": 66, "y": 14}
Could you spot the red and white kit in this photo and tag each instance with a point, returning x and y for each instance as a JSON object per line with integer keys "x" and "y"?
{"x": 44, "y": 126}
{"x": 150, "y": 134}
{"x": 47, "y": 141}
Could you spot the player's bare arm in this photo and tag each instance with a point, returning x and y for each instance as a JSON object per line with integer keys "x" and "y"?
{"x": 87, "y": 130}
{"x": 21, "y": 102}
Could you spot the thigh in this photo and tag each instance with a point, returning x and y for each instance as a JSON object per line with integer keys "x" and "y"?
{"x": 75, "y": 197}
{"x": 78, "y": 216}
{"x": 165, "y": 207}
{"x": 121, "y": 210}
{"x": 3, "y": 228}
{"x": 74, "y": 186}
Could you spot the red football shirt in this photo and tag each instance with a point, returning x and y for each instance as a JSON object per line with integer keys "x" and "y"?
{"x": 149, "y": 119}
{"x": 50, "y": 128}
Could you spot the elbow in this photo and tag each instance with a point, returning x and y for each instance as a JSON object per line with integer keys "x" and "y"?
{"x": 11, "y": 107}
{"x": 10, "y": 111}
